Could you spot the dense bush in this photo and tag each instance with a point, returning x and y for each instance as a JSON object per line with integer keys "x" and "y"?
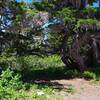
{"x": 89, "y": 75}
{"x": 29, "y": 62}
{"x": 9, "y": 83}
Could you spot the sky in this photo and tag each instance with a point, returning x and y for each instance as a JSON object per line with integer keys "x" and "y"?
{"x": 96, "y": 4}
{"x": 24, "y": 0}
{"x": 27, "y": 0}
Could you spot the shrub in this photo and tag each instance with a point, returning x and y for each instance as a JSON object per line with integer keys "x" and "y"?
{"x": 89, "y": 75}
{"x": 9, "y": 83}
{"x": 10, "y": 79}
{"x": 71, "y": 73}
{"x": 29, "y": 63}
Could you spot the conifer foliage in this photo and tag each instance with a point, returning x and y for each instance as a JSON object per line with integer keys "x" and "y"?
{"x": 70, "y": 28}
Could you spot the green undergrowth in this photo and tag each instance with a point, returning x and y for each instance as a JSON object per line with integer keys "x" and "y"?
{"x": 29, "y": 77}
{"x": 49, "y": 67}
{"x": 12, "y": 87}
{"x": 96, "y": 72}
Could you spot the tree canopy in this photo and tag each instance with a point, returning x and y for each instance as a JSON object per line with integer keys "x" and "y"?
{"x": 69, "y": 28}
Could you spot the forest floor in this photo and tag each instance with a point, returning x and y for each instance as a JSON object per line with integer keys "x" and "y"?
{"x": 79, "y": 89}
{"x": 81, "y": 86}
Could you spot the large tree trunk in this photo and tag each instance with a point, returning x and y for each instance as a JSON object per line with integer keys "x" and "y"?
{"x": 74, "y": 52}
{"x": 72, "y": 58}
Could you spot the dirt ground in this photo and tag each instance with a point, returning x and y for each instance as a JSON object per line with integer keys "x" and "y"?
{"x": 83, "y": 89}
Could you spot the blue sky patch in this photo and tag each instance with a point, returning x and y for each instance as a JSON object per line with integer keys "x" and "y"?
{"x": 24, "y": 0}
{"x": 95, "y": 4}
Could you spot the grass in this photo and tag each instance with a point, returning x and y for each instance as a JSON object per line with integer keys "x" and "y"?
{"x": 71, "y": 89}
{"x": 89, "y": 75}
{"x": 96, "y": 72}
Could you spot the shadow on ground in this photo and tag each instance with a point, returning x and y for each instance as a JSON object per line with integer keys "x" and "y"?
{"x": 49, "y": 74}
{"x": 47, "y": 77}
{"x": 44, "y": 77}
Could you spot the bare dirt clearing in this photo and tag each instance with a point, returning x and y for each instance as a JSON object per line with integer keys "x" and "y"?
{"x": 81, "y": 88}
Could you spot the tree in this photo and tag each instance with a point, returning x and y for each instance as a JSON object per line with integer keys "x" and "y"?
{"x": 78, "y": 25}
{"x": 16, "y": 27}
{"x": 66, "y": 27}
